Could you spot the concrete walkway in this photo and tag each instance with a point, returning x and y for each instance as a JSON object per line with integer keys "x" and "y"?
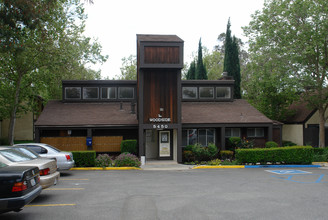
{"x": 164, "y": 165}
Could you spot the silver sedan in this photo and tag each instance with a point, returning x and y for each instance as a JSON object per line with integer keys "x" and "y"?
{"x": 48, "y": 169}
{"x": 64, "y": 159}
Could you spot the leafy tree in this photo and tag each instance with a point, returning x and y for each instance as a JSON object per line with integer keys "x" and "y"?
{"x": 231, "y": 60}
{"x": 293, "y": 35}
{"x": 191, "y": 74}
{"x": 128, "y": 69}
{"x": 214, "y": 64}
{"x": 201, "y": 72}
{"x": 41, "y": 44}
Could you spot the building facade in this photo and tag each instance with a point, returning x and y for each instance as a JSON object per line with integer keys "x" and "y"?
{"x": 161, "y": 111}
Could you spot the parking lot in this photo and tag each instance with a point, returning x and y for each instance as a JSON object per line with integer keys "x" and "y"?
{"x": 189, "y": 194}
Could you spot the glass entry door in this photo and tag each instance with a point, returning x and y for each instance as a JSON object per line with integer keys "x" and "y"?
{"x": 165, "y": 149}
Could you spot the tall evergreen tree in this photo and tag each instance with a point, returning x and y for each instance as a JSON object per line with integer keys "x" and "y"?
{"x": 191, "y": 74}
{"x": 231, "y": 60}
{"x": 236, "y": 68}
{"x": 201, "y": 72}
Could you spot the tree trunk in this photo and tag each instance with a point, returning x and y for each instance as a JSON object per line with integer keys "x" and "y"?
{"x": 321, "y": 128}
{"x": 12, "y": 122}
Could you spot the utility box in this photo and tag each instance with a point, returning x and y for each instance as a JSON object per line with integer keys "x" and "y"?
{"x": 89, "y": 141}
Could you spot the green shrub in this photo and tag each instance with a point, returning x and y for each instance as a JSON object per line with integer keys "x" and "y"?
{"x": 129, "y": 146}
{"x": 127, "y": 160}
{"x": 287, "y": 155}
{"x": 320, "y": 158}
{"x": 188, "y": 156}
{"x": 229, "y": 162}
{"x": 103, "y": 160}
{"x": 235, "y": 142}
{"x": 288, "y": 144}
{"x": 84, "y": 158}
{"x": 212, "y": 150}
{"x": 226, "y": 154}
{"x": 271, "y": 144}
{"x": 246, "y": 144}
{"x": 188, "y": 148}
{"x": 215, "y": 162}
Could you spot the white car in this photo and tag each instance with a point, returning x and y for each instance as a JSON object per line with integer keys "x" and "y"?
{"x": 64, "y": 159}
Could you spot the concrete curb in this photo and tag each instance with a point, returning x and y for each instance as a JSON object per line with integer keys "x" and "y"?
{"x": 105, "y": 168}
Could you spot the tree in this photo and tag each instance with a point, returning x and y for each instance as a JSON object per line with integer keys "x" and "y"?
{"x": 128, "y": 69}
{"x": 214, "y": 64}
{"x": 201, "y": 72}
{"x": 191, "y": 74}
{"x": 294, "y": 34}
{"x": 231, "y": 60}
{"x": 41, "y": 44}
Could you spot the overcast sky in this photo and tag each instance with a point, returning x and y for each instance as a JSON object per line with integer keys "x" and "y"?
{"x": 116, "y": 23}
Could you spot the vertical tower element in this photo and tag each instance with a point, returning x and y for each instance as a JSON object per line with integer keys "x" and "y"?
{"x": 159, "y": 64}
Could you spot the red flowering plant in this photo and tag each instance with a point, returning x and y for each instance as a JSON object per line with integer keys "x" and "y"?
{"x": 246, "y": 144}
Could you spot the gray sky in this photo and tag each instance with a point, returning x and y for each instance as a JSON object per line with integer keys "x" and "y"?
{"x": 116, "y": 23}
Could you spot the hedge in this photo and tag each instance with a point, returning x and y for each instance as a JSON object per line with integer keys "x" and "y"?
{"x": 286, "y": 155}
{"x": 84, "y": 158}
{"x": 129, "y": 146}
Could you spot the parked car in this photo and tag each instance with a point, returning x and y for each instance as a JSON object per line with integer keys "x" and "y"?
{"x": 64, "y": 159}
{"x": 19, "y": 185}
{"x": 48, "y": 168}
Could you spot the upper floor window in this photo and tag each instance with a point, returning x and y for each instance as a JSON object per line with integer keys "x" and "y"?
{"x": 255, "y": 132}
{"x": 125, "y": 92}
{"x": 206, "y": 92}
{"x": 108, "y": 93}
{"x": 90, "y": 93}
{"x": 73, "y": 93}
{"x": 223, "y": 92}
{"x": 189, "y": 92}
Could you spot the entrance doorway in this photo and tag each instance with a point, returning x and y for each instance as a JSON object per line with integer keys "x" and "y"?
{"x": 159, "y": 144}
{"x": 165, "y": 145}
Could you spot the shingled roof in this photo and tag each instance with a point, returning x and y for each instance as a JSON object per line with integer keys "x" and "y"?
{"x": 239, "y": 111}
{"x": 57, "y": 113}
{"x": 301, "y": 113}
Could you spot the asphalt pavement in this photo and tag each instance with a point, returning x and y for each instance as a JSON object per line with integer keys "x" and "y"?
{"x": 262, "y": 193}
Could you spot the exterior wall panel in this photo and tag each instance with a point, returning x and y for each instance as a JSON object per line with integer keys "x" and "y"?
{"x": 293, "y": 133}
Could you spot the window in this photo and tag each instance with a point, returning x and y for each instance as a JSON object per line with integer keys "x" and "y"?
{"x": 126, "y": 92}
{"x": 205, "y": 136}
{"x": 108, "y": 93}
{"x": 73, "y": 93}
{"x": 90, "y": 93}
{"x": 223, "y": 92}
{"x": 189, "y": 92}
{"x": 255, "y": 132}
{"x": 232, "y": 132}
{"x": 202, "y": 136}
{"x": 206, "y": 92}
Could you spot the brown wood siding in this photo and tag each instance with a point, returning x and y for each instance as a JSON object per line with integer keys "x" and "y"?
{"x": 99, "y": 144}
{"x": 107, "y": 144}
{"x": 160, "y": 91}
{"x": 66, "y": 143}
{"x": 161, "y": 55}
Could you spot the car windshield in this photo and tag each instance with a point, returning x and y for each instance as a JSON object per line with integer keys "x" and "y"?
{"x": 14, "y": 155}
{"x": 27, "y": 152}
{"x": 3, "y": 165}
